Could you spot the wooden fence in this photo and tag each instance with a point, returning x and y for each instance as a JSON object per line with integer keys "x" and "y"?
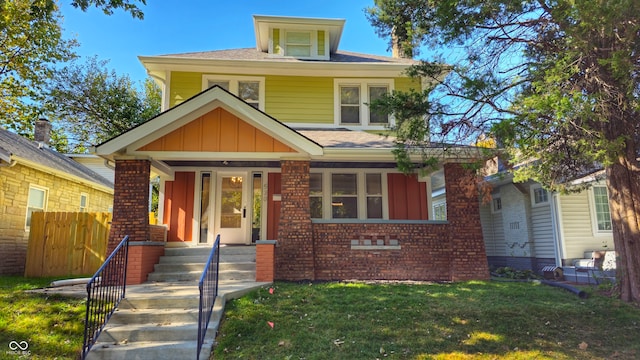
{"x": 67, "y": 243}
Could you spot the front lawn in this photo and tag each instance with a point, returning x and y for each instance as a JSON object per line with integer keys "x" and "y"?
{"x": 472, "y": 320}
{"x": 36, "y": 326}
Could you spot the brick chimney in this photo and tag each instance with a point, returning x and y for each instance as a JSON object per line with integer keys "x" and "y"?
{"x": 42, "y": 132}
{"x": 399, "y": 51}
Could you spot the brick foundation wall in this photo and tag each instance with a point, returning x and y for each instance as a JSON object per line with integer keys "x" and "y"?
{"x": 423, "y": 252}
{"x": 294, "y": 255}
{"x": 131, "y": 202}
{"x": 142, "y": 258}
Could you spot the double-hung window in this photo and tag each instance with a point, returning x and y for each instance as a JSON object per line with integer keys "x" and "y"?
{"x": 373, "y": 185}
{"x": 539, "y": 196}
{"x": 298, "y": 44}
{"x": 352, "y": 98}
{"x": 249, "y": 89}
{"x": 37, "y": 201}
{"x": 84, "y": 202}
{"x": 344, "y": 196}
{"x": 601, "y": 209}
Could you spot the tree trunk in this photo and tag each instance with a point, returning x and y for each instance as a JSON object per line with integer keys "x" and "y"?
{"x": 623, "y": 183}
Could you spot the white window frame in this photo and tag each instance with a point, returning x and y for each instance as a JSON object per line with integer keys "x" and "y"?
{"x": 533, "y": 190}
{"x": 233, "y": 84}
{"x": 85, "y": 208}
{"x": 361, "y": 192}
{"x": 364, "y": 85}
{"x": 45, "y": 200}
{"x": 442, "y": 206}
{"x": 314, "y": 43}
{"x": 593, "y": 210}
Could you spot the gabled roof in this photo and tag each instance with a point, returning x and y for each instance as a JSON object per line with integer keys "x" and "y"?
{"x": 14, "y": 147}
{"x": 131, "y": 141}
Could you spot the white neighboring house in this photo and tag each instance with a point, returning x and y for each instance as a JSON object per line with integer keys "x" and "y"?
{"x": 95, "y": 163}
{"x": 526, "y": 227}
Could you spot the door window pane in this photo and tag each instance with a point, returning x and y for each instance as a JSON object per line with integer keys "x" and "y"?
{"x": 204, "y": 206}
{"x": 231, "y": 202}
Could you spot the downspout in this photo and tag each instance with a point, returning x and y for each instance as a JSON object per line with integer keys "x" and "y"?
{"x": 557, "y": 252}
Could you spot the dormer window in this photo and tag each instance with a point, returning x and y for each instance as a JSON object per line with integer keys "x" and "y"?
{"x": 298, "y": 44}
{"x": 300, "y": 38}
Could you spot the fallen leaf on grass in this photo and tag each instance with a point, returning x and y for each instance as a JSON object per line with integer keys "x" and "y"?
{"x": 271, "y": 291}
{"x": 583, "y": 346}
{"x": 270, "y": 324}
{"x": 338, "y": 342}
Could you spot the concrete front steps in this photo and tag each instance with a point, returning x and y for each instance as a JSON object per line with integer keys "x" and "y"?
{"x": 158, "y": 319}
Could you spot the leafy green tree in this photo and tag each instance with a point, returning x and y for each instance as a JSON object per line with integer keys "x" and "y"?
{"x": 554, "y": 81}
{"x": 31, "y": 48}
{"x": 94, "y": 104}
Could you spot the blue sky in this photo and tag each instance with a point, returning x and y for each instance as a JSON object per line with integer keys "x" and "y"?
{"x": 196, "y": 25}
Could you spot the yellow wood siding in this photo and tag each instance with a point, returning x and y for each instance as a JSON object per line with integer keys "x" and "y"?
{"x": 290, "y": 99}
{"x": 183, "y": 86}
{"x": 406, "y": 84}
{"x": 217, "y": 131}
{"x": 300, "y": 99}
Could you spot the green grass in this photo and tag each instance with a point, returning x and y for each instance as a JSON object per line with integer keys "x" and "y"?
{"x": 472, "y": 320}
{"x": 52, "y": 326}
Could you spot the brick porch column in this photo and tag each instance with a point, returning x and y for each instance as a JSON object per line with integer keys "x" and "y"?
{"x": 294, "y": 253}
{"x": 468, "y": 255}
{"x": 130, "y": 202}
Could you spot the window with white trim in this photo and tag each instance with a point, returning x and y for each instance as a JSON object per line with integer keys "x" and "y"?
{"x": 440, "y": 211}
{"x": 539, "y": 196}
{"x": 249, "y": 89}
{"x": 355, "y": 195}
{"x": 373, "y": 185}
{"x": 37, "y": 201}
{"x": 352, "y": 99}
{"x": 315, "y": 195}
{"x": 601, "y": 209}
{"x": 84, "y": 202}
{"x": 344, "y": 196}
{"x": 297, "y": 44}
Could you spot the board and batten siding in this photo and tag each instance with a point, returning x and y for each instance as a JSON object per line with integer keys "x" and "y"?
{"x": 290, "y": 99}
{"x": 577, "y": 228}
{"x": 542, "y": 231}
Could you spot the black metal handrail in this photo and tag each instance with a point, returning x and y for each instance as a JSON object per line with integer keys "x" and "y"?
{"x": 105, "y": 290}
{"x": 208, "y": 287}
